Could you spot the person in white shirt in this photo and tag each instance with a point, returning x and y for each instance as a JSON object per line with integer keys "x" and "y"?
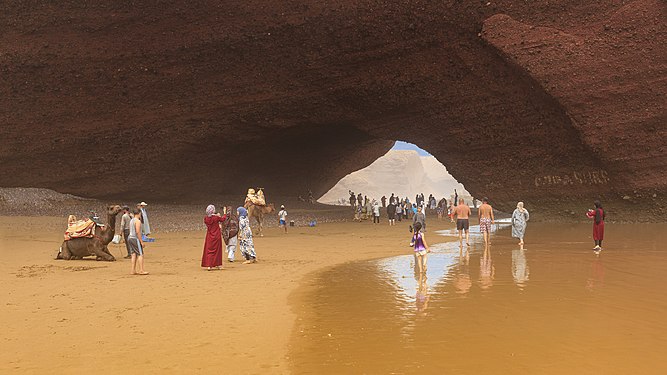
{"x": 282, "y": 218}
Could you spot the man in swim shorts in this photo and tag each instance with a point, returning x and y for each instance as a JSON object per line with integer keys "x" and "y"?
{"x": 485, "y": 219}
{"x": 462, "y": 213}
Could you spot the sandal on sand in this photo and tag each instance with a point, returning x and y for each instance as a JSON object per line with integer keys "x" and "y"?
{"x": 142, "y": 273}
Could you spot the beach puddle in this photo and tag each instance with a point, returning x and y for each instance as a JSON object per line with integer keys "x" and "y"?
{"x": 553, "y": 308}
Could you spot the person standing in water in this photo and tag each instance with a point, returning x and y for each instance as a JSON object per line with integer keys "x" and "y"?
{"x": 519, "y": 218}
{"x": 462, "y": 213}
{"x": 486, "y": 219}
{"x": 421, "y": 248}
{"x": 598, "y": 215}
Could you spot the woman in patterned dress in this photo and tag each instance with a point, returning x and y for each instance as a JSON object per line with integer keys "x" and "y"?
{"x": 246, "y": 244}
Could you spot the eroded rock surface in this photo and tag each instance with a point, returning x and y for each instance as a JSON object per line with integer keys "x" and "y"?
{"x": 553, "y": 103}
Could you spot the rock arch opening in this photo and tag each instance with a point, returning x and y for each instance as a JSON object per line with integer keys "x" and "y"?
{"x": 405, "y": 171}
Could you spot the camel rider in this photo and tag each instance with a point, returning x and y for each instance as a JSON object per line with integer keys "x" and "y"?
{"x": 254, "y": 198}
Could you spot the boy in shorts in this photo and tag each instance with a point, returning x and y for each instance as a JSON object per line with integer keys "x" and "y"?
{"x": 282, "y": 217}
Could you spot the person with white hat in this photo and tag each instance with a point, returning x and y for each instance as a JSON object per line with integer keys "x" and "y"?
{"x": 282, "y": 216}
{"x": 145, "y": 225}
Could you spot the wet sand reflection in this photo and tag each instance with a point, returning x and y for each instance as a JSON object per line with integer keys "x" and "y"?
{"x": 551, "y": 309}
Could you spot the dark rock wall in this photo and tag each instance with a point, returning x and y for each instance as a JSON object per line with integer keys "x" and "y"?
{"x": 554, "y": 103}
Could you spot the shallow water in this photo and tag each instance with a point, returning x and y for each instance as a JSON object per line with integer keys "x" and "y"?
{"x": 553, "y": 308}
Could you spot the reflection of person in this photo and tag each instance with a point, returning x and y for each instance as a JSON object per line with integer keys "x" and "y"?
{"x": 420, "y": 246}
{"x": 212, "y": 256}
{"x": 519, "y": 218}
{"x": 485, "y": 213}
{"x": 422, "y": 296}
{"x": 487, "y": 271}
{"x": 462, "y": 213}
{"x": 598, "y": 216}
{"x": 462, "y": 281}
{"x": 520, "y": 270}
{"x": 245, "y": 237}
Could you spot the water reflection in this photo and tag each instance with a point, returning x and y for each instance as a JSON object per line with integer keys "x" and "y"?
{"x": 605, "y": 313}
{"x": 520, "y": 271}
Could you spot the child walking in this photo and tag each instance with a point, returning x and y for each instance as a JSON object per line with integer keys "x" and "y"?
{"x": 420, "y": 246}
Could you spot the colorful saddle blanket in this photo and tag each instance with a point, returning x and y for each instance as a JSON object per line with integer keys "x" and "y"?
{"x": 79, "y": 229}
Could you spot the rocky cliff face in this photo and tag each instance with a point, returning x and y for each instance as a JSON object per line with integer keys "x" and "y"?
{"x": 554, "y": 103}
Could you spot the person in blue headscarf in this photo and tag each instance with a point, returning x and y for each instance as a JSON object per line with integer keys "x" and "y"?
{"x": 246, "y": 244}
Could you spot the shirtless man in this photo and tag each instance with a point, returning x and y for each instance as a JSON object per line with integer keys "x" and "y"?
{"x": 485, "y": 219}
{"x": 462, "y": 213}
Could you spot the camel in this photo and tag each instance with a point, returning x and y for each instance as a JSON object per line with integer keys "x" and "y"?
{"x": 258, "y": 212}
{"x": 77, "y": 248}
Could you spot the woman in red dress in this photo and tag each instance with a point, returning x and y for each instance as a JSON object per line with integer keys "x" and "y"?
{"x": 212, "y": 256}
{"x": 598, "y": 216}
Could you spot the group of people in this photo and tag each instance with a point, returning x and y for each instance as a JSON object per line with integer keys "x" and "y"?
{"x": 232, "y": 228}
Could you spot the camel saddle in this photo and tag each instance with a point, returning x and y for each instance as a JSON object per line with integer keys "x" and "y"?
{"x": 80, "y": 229}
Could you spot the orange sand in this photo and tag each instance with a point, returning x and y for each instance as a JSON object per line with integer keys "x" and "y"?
{"x": 75, "y": 316}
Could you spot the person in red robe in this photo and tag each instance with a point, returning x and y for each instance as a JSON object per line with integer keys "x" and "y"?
{"x": 212, "y": 256}
{"x": 598, "y": 216}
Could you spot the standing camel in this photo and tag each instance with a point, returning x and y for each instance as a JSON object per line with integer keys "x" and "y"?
{"x": 258, "y": 212}
{"x": 77, "y": 248}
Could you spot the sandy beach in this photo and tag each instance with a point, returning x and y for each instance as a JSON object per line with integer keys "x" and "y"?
{"x": 75, "y": 316}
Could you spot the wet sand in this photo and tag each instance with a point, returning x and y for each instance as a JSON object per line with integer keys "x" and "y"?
{"x": 569, "y": 312}
{"x": 555, "y": 308}
{"x": 76, "y": 316}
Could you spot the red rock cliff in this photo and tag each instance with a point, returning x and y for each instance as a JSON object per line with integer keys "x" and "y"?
{"x": 554, "y": 103}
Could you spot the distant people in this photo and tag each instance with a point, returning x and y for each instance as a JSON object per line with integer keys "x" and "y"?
{"x": 282, "y": 217}
{"x": 442, "y": 208}
{"x": 420, "y": 246}
{"x": 384, "y": 201}
{"x": 230, "y": 230}
{"x": 392, "y": 199}
{"x": 352, "y": 198}
{"x": 598, "y": 215}
{"x": 519, "y": 218}
{"x": 365, "y": 200}
{"x": 486, "y": 219}
{"x": 462, "y": 213}
{"x": 456, "y": 197}
{"x": 376, "y": 213}
{"x": 311, "y": 199}
{"x": 245, "y": 237}
{"x": 145, "y": 225}
{"x": 125, "y": 227}
{"x": 360, "y": 199}
{"x": 399, "y": 211}
{"x": 419, "y": 218}
{"x": 357, "y": 213}
{"x": 136, "y": 244}
{"x": 391, "y": 213}
{"x": 212, "y": 256}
